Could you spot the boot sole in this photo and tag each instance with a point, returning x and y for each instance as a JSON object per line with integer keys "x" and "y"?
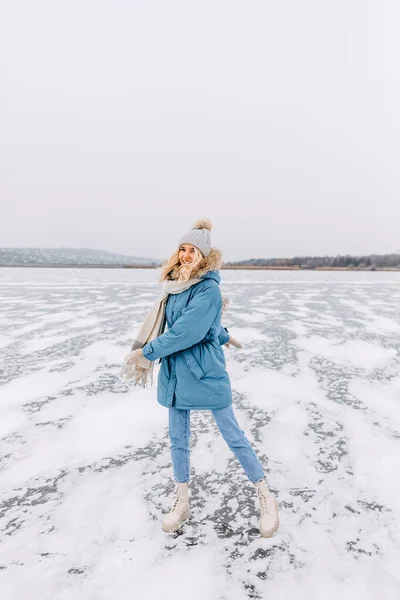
{"x": 169, "y": 528}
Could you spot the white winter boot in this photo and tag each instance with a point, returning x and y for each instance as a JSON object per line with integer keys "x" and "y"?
{"x": 180, "y": 510}
{"x": 269, "y": 519}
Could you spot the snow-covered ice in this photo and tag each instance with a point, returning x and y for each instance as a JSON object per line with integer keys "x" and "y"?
{"x": 85, "y": 470}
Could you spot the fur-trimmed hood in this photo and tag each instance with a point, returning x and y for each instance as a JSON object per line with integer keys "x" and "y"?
{"x": 212, "y": 262}
{"x": 207, "y": 267}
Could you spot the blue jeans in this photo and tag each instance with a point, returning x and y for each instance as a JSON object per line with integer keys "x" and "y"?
{"x": 179, "y": 433}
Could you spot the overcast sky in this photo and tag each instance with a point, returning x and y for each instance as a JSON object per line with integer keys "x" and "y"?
{"x": 122, "y": 122}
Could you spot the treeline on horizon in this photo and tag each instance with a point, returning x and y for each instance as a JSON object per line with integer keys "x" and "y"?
{"x": 372, "y": 261}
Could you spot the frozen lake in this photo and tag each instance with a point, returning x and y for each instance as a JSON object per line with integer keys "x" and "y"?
{"x": 85, "y": 472}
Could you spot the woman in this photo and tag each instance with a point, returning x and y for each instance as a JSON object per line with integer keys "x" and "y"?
{"x": 193, "y": 372}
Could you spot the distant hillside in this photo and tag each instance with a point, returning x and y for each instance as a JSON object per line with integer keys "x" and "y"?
{"x": 369, "y": 262}
{"x": 79, "y": 257}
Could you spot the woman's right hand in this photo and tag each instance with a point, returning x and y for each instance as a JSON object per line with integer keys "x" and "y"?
{"x": 134, "y": 356}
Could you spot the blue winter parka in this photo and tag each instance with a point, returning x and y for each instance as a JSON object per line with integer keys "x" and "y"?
{"x": 193, "y": 371}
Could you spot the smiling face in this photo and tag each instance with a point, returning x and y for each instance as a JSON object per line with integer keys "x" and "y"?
{"x": 186, "y": 254}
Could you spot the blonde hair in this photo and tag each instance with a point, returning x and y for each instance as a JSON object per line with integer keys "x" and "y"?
{"x": 173, "y": 269}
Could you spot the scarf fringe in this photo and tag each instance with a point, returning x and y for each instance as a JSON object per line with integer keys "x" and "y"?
{"x": 139, "y": 375}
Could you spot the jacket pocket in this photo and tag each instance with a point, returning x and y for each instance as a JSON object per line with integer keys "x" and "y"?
{"x": 192, "y": 364}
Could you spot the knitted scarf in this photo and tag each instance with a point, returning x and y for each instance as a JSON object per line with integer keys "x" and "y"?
{"x": 141, "y": 372}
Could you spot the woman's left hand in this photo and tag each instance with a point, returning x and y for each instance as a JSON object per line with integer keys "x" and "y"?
{"x": 134, "y": 356}
{"x": 233, "y": 342}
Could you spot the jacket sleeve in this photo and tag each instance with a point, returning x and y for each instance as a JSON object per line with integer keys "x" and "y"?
{"x": 223, "y": 336}
{"x": 190, "y": 328}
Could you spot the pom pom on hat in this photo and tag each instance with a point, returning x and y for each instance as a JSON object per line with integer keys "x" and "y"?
{"x": 203, "y": 224}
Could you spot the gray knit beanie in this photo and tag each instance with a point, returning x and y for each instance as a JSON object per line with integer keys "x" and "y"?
{"x": 199, "y": 236}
